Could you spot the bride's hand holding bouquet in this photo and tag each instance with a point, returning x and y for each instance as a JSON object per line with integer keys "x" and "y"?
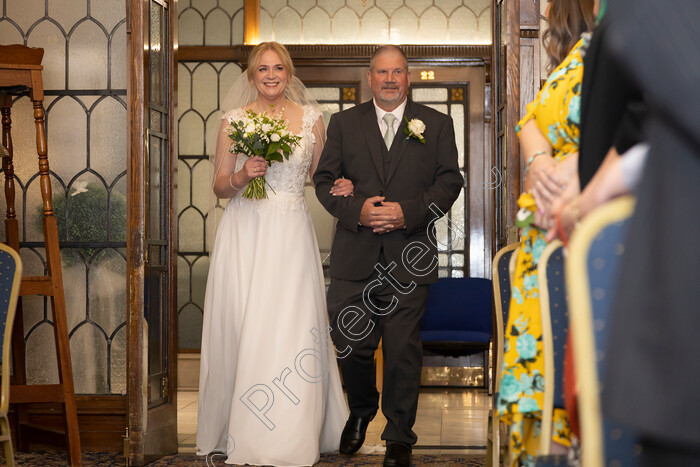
{"x": 260, "y": 137}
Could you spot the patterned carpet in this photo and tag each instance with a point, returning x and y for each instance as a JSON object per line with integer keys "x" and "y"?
{"x": 110, "y": 459}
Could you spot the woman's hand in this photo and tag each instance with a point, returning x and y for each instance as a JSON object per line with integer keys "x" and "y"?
{"x": 565, "y": 221}
{"x": 343, "y": 187}
{"x": 569, "y": 194}
{"x": 255, "y": 166}
{"x": 544, "y": 182}
{"x": 566, "y": 170}
{"x": 543, "y": 220}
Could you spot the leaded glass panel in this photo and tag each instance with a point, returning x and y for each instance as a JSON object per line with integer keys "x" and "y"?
{"x": 451, "y": 229}
{"x": 211, "y": 22}
{"x": 203, "y": 86}
{"x": 388, "y": 21}
{"x": 84, "y": 77}
{"x": 429, "y": 94}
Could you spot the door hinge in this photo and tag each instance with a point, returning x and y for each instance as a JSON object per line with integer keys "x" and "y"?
{"x": 164, "y": 390}
{"x": 125, "y": 446}
{"x": 148, "y": 391}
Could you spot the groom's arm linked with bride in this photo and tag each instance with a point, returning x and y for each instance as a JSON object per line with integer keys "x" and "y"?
{"x": 384, "y": 252}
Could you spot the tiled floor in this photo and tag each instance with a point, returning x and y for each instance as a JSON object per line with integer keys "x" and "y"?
{"x": 186, "y": 420}
{"x": 446, "y": 417}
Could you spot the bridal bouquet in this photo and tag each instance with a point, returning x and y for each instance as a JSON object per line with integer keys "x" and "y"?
{"x": 261, "y": 135}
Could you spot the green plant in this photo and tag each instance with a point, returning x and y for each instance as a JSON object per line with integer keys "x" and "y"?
{"x": 87, "y": 214}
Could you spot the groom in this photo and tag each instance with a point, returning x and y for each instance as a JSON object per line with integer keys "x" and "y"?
{"x": 384, "y": 252}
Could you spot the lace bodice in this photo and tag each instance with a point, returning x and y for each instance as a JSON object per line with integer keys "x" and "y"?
{"x": 288, "y": 177}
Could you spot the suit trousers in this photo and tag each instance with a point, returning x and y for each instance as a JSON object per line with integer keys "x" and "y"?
{"x": 361, "y": 312}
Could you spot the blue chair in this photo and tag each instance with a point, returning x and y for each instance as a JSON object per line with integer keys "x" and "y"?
{"x": 592, "y": 273}
{"x": 555, "y": 328}
{"x": 458, "y": 318}
{"x": 10, "y": 279}
{"x": 502, "y": 273}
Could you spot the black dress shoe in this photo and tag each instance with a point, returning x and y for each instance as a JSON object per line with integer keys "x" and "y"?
{"x": 397, "y": 455}
{"x": 354, "y": 434}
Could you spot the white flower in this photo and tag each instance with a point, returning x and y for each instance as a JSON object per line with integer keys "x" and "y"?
{"x": 414, "y": 129}
{"x": 523, "y": 214}
{"x": 79, "y": 187}
{"x": 274, "y": 137}
{"x": 249, "y": 128}
{"x": 417, "y": 127}
{"x": 266, "y": 127}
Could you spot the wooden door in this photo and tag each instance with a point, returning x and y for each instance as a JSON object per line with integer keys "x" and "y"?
{"x": 516, "y": 80}
{"x": 152, "y": 239}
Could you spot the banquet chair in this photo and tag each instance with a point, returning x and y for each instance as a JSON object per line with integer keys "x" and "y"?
{"x": 511, "y": 266}
{"x": 592, "y": 271}
{"x": 502, "y": 273}
{"x": 555, "y": 327}
{"x": 10, "y": 279}
{"x": 458, "y": 318}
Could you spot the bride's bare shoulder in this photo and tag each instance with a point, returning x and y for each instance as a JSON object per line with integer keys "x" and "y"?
{"x": 293, "y": 108}
{"x": 307, "y": 111}
{"x": 293, "y": 112}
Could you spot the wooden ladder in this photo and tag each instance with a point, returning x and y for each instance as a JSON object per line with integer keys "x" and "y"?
{"x": 20, "y": 71}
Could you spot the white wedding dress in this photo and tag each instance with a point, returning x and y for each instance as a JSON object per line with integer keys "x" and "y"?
{"x": 269, "y": 389}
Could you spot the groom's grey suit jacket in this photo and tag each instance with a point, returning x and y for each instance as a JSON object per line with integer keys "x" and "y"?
{"x": 414, "y": 174}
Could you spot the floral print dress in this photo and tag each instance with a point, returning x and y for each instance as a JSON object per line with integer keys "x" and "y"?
{"x": 521, "y": 395}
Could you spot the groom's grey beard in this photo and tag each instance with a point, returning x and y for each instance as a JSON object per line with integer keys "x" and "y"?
{"x": 393, "y": 100}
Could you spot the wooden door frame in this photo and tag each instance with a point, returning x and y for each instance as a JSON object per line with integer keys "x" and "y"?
{"x": 519, "y": 51}
{"x": 138, "y": 413}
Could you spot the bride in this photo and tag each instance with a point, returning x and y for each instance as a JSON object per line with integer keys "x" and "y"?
{"x": 269, "y": 389}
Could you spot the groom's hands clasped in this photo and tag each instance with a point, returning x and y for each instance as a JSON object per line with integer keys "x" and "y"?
{"x": 382, "y": 216}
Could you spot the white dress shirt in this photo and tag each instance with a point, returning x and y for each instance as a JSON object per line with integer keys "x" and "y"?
{"x": 398, "y": 113}
{"x": 633, "y": 162}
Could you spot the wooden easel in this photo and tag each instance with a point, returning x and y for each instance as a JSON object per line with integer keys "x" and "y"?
{"x": 20, "y": 71}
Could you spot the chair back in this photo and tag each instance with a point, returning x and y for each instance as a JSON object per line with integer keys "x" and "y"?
{"x": 502, "y": 284}
{"x": 10, "y": 279}
{"x": 458, "y": 319}
{"x": 592, "y": 273}
{"x": 458, "y": 310}
{"x": 555, "y": 328}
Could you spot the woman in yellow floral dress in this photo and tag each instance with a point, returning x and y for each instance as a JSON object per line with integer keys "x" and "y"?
{"x": 549, "y": 137}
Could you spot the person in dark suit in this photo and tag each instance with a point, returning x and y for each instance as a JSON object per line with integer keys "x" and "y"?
{"x": 651, "y": 382}
{"x": 384, "y": 253}
{"x": 611, "y": 123}
{"x": 612, "y": 108}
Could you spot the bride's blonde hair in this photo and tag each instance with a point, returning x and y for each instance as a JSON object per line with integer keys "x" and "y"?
{"x": 261, "y": 48}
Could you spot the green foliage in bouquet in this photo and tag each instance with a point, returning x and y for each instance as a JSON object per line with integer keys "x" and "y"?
{"x": 261, "y": 135}
{"x": 86, "y": 207}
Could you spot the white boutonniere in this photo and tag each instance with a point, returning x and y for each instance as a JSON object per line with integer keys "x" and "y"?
{"x": 414, "y": 129}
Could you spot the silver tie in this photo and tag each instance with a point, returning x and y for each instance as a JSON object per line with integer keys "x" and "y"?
{"x": 389, "y": 135}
